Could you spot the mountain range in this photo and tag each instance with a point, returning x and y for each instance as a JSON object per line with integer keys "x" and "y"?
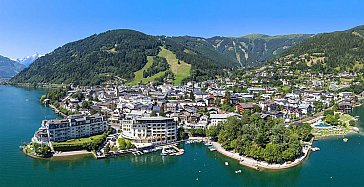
{"x": 122, "y": 54}
{"x": 9, "y": 68}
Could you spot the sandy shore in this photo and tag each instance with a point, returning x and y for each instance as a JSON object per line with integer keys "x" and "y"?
{"x": 251, "y": 163}
{"x": 71, "y": 153}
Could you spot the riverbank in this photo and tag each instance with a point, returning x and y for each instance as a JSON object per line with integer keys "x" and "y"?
{"x": 254, "y": 164}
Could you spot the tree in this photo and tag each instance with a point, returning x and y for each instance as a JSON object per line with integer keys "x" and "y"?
{"x": 107, "y": 148}
{"x": 318, "y": 106}
{"x": 122, "y": 144}
{"x": 78, "y": 95}
{"x": 332, "y": 119}
{"x": 213, "y": 132}
{"x": 328, "y": 112}
{"x": 153, "y": 113}
{"x": 305, "y": 132}
{"x": 192, "y": 96}
{"x": 41, "y": 149}
{"x": 261, "y": 139}
{"x": 180, "y": 133}
{"x": 288, "y": 154}
{"x": 227, "y": 98}
{"x": 256, "y": 109}
{"x": 43, "y": 98}
{"x": 197, "y": 132}
{"x": 335, "y": 107}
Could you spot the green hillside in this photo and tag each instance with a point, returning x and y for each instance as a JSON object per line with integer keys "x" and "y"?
{"x": 330, "y": 52}
{"x": 138, "y": 75}
{"x": 124, "y": 55}
{"x": 179, "y": 68}
{"x": 117, "y": 55}
{"x": 93, "y": 60}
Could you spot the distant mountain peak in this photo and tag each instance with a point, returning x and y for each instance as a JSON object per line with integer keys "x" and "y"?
{"x": 26, "y": 61}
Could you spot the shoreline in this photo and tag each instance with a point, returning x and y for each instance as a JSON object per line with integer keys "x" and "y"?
{"x": 71, "y": 153}
{"x": 57, "y": 111}
{"x": 61, "y": 154}
{"x": 254, "y": 164}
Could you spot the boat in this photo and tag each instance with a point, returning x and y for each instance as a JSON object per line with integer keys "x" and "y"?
{"x": 208, "y": 144}
{"x": 238, "y": 171}
{"x": 345, "y": 140}
{"x": 212, "y": 149}
{"x": 315, "y": 149}
{"x": 164, "y": 152}
{"x": 226, "y": 163}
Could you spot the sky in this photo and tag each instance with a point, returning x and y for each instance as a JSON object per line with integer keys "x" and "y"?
{"x": 31, "y": 26}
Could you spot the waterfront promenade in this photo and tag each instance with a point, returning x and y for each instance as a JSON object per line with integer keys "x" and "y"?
{"x": 251, "y": 163}
{"x": 71, "y": 153}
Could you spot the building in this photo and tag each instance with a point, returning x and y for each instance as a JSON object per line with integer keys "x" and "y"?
{"x": 76, "y": 126}
{"x": 241, "y": 107}
{"x": 154, "y": 130}
{"x": 217, "y": 119}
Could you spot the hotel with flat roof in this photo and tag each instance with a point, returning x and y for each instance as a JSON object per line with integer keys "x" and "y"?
{"x": 149, "y": 129}
{"x": 76, "y": 126}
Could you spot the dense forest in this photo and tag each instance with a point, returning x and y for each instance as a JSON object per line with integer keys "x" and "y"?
{"x": 262, "y": 139}
{"x": 114, "y": 54}
{"x": 339, "y": 51}
{"x": 159, "y": 64}
{"x": 93, "y": 60}
{"x": 117, "y": 54}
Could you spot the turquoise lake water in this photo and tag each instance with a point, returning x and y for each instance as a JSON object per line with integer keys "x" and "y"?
{"x": 336, "y": 164}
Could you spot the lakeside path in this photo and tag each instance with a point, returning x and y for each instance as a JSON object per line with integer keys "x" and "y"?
{"x": 251, "y": 163}
{"x": 71, "y": 153}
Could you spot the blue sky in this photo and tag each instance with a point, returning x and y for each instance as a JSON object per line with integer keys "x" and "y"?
{"x": 31, "y": 26}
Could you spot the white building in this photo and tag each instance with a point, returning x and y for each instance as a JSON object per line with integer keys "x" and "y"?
{"x": 76, "y": 126}
{"x": 149, "y": 129}
{"x": 217, "y": 119}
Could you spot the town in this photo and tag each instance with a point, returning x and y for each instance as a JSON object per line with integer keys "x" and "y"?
{"x": 146, "y": 117}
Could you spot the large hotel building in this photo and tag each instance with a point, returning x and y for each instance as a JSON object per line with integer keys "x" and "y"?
{"x": 76, "y": 126}
{"x": 149, "y": 129}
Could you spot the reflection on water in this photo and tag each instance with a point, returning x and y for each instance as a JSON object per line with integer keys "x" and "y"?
{"x": 152, "y": 159}
{"x": 69, "y": 162}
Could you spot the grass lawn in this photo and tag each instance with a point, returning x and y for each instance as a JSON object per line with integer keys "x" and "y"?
{"x": 138, "y": 75}
{"x": 346, "y": 118}
{"x": 79, "y": 141}
{"x": 286, "y": 88}
{"x": 181, "y": 70}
